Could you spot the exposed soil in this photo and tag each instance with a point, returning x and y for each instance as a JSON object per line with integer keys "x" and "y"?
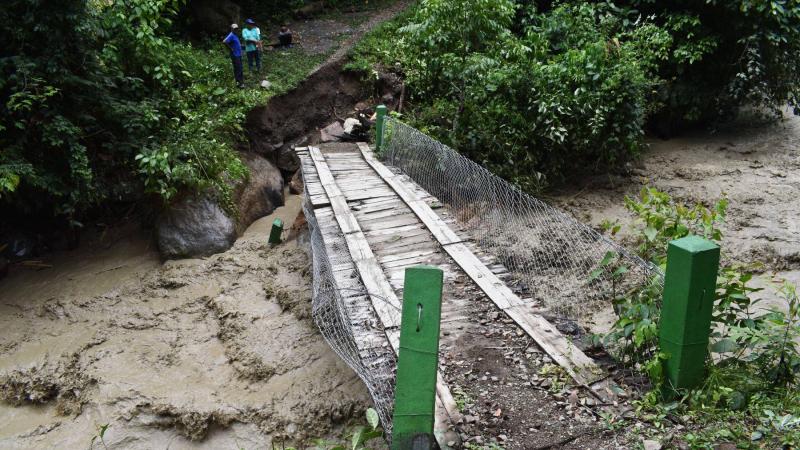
{"x": 510, "y": 392}
{"x": 329, "y": 93}
{"x": 204, "y": 353}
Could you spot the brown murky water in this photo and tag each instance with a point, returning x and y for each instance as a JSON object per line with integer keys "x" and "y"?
{"x": 203, "y": 353}
{"x": 756, "y": 167}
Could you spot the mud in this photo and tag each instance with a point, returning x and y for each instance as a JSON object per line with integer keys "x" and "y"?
{"x": 203, "y": 353}
{"x": 755, "y": 166}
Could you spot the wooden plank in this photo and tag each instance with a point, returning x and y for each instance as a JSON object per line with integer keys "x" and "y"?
{"x": 436, "y": 225}
{"x": 383, "y": 298}
{"x": 494, "y": 288}
{"x": 381, "y": 293}
{"x": 582, "y": 368}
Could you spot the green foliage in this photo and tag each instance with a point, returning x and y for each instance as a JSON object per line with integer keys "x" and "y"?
{"x": 661, "y": 220}
{"x": 754, "y": 361}
{"x": 546, "y": 96}
{"x": 727, "y": 54}
{"x": 114, "y": 107}
{"x": 101, "y": 432}
{"x": 538, "y": 94}
{"x": 357, "y": 439}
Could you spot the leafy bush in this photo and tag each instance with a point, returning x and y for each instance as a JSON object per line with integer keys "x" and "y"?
{"x": 113, "y": 107}
{"x": 559, "y": 88}
{"x": 754, "y": 363}
{"x": 725, "y": 55}
{"x": 566, "y": 93}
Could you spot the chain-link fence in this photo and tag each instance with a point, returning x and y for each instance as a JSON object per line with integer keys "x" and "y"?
{"x": 343, "y": 312}
{"x": 562, "y": 267}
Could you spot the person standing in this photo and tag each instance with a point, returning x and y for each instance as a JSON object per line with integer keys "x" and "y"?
{"x": 252, "y": 42}
{"x": 235, "y": 45}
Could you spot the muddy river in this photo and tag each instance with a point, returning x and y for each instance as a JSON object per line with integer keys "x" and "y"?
{"x": 202, "y": 353}
{"x": 221, "y": 352}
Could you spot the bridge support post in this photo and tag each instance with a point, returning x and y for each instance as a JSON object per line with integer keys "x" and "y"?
{"x": 275, "y": 233}
{"x": 418, "y": 359}
{"x": 380, "y": 114}
{"x": 689, "y": 292}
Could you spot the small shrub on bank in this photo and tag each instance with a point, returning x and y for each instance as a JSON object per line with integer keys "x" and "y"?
{"x": 749, "y": 395}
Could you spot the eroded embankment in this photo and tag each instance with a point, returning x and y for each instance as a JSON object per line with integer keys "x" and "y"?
{"x": 201, "y": 353}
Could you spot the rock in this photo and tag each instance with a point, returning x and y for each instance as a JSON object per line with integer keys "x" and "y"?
{"x": 573, "y": 398}
{"x": 212, "y": 16}
{"x": 261, "y": 193}
{"x": 361, "y": 106}
{"x": 266, "y": 84}
{"x": 194, "y": 226}
{"x": 309, "y": 10}
{"x": 651, "y": 445}
{"x": 286, "y": 159}
{"x": 351, "y": 124}
{"x": 332, "y": 132}
{"x": 18, "y": 245}
{"x": 387, "y": 98}
{"x": 296, "y": 186}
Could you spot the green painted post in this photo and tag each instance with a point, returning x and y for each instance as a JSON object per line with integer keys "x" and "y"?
{"x": 418, "y": 361}
{"x": 275, "y": 233}
{"x": 689, "y": 290}
{"x": 380, "y": 113}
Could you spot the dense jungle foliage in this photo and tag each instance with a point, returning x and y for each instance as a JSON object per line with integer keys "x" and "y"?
{"x": 555, "y": 88}
{"x": 104, "y": 102}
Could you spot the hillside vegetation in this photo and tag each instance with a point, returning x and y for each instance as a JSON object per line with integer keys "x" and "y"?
{"x": 539, "y": 90}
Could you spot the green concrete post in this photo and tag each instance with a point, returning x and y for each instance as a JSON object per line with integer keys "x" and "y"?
{"x": 418, "y": 361}
{"x": 380, "y": 113}
{"x": 689, "y": 291}
{"x": 275, "y": 233}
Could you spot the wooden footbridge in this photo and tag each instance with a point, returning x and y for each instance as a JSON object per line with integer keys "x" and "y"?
{"x": 378, "y": 222}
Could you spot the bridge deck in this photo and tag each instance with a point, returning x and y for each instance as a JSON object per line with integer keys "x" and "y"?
{"x": 376, "y": 223}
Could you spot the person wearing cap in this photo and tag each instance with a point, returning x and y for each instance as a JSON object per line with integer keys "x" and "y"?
{"x": 252, "y": 41}
{"x": 233, "y": 42}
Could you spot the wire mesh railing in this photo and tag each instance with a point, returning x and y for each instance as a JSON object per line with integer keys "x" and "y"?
{"x": 560, "y": 266}
{"x": 346, "y": 320}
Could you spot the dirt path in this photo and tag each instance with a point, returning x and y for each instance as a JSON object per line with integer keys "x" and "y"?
{"x": 203, "y": 353}
{"x": 755, "y": 166}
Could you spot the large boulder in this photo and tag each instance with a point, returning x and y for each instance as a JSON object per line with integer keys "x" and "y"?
{"x": 197, "y": 225}
{"x": 261, "y": 193}
{"x": 286, "y": 159}
{"x": 213, "y": 17}
{"x": 194, "y": 226}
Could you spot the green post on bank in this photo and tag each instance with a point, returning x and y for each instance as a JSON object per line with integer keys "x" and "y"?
{"x": 418, "y": 361}
{"x": 689, "y": 291}
{"x": 275, "y": 233}
{"x": 380, "y": 114}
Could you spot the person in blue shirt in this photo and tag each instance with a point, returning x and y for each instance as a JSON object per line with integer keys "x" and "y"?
{"x": 252, "y": 45}
{"x": 232, "y": 41}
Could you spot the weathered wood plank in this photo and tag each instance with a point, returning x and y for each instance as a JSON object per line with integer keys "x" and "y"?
{"x": 436, "y": 225}
{"x": 582, "y": 368}
{"x": 388, "y": 308}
